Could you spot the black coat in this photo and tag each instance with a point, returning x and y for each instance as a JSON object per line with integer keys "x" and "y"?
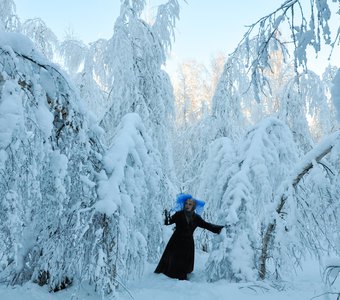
{"x": 178, "y": 257}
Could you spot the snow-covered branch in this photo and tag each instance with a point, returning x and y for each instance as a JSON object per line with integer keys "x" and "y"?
{"x": 315, "y": 155}
{"x": 305, "y": 31}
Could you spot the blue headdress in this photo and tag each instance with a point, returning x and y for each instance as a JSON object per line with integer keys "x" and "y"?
{"x": 180, "y": 201}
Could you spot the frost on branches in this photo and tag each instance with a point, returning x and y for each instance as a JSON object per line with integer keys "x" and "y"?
{"x": 82, "y": 203}
{"x": 49, "y": 145}
{"x": 262, "y": 161}
{"x": 309, "y": 27}
{"x": 130, "y": 190}
{"x": 73, "y": 209}
{"x": 269, "y": 209}
{"x": 134, "y": 56}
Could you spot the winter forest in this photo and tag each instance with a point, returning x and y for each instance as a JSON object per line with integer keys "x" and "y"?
{"x": 96, "y": 140}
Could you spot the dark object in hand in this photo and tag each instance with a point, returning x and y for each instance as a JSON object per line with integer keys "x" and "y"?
{"x": 166, "y": 217}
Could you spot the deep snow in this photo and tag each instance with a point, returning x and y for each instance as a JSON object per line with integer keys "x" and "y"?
{"x": 306, "y": 284}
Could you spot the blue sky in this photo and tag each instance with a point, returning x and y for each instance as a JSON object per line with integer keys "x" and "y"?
{"x": 205, "y": 27}
{"x": 88, "y": 19}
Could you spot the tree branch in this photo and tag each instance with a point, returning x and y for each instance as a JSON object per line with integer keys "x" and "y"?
{"x": 316, "y": 154}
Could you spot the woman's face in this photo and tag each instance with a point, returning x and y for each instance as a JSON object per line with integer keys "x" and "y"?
{"x": 189, "y": 205}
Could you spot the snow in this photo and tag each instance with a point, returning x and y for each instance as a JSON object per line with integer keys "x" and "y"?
{"x": 44, "y": 117}
{"x": 305, "y": 285}
{"x": 328, "y": 142}
{"x": 119, "y": 198}
{"x": 125, "y": 142}
{"x": 127, "y": 148}
{"x": 336, "y": 93}
{"x": 11, "y": 112}
{"x": 20, "y": 44}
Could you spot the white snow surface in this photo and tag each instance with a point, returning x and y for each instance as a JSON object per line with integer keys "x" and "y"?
{"x": 306, "y": 284}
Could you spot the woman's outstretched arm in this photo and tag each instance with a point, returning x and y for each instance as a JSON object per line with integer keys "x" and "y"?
{"x": 211, "y": 227}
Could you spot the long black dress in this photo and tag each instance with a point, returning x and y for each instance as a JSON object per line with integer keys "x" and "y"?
{"x": 178, "y": 257}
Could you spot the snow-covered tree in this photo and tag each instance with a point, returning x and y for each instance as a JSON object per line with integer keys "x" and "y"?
{"x": 8, "y": 18}
{"x": 51, "y": 143}
{"x": 251, "y": 184}
{"x": 226, "y": 111}
{"x": 319, "y": 108}
{"x": 42, "y": 36}
{"x": 135, "y": 56}
{"x": 250, "y": 230}
{"x": 327, "y": 78}
{"x": 82, "y": 204}
{"x": 53, "y": 215}
{"x": 224, "y": 119}
{"x": 72, "y": 54}
{"x": 293, "y": 111}
{"x": 193, "y": 127}
{"x": 309, "y": 27}
{"x": 90, "y": 76}
{"x": 84, "y": 210}
{"x": 336, "y": 93}
{"x": 304, "y": 107}
{"x": 248, "y": 189}
{"x": 305, "y": 211}
{"x": 220, "y": 165}
{"x": 129, "y": 192}
{"x": 191, "y": 89}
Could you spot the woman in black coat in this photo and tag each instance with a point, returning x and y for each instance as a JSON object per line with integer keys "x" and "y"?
{"x": 177, "y": 260}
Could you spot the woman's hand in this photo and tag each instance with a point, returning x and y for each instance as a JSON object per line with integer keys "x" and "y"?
{"x": 167, "y": 217}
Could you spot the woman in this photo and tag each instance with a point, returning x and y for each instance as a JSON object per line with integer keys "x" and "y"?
{"x": 177, "y": 260}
